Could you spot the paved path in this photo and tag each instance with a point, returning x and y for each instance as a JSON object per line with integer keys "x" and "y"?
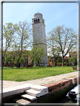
{"x": 41, "y": 81}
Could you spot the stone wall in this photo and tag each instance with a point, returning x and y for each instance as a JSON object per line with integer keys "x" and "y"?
{"x": 56, "y": 87}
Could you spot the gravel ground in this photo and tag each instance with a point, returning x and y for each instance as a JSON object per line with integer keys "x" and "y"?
{"x": 41, "y": 81}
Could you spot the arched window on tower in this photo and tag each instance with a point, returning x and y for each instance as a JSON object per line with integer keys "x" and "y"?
{"x": 35, "y": 21}
{"x": 38, "y": 20}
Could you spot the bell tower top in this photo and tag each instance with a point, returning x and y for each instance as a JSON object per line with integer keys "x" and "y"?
{"x": 38, "y": 18}
{"x": 38, "y": 15}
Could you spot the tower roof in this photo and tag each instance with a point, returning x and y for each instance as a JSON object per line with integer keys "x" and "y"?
{"x": 38, "y": 15}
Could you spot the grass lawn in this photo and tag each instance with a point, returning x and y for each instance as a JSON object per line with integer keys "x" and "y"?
{"x": 24, "y": 74}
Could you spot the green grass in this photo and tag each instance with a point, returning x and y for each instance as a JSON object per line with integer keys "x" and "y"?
{"x": 24, "y": 74}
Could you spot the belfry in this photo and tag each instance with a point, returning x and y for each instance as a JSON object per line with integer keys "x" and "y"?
{"x": 38, "y": 27}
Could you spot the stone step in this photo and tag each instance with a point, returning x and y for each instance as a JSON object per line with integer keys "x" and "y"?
{"x": 37, "y": 87}
{"x": 23, "y": 102}
{"x": 32, "y": 92}
{"x": 42, "y": 90}
{"x": 15, "y": 90}
{"x": 30, "y": 97}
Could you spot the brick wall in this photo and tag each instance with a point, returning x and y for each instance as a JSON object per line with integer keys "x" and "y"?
{"x": 58, "y": 86}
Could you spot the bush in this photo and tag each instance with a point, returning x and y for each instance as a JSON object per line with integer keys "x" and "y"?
{"x": 49, "y": 65}
{"x": 59, "y": 64}
{"x": 8, "y": 60}
{"x": 27, "y": 66}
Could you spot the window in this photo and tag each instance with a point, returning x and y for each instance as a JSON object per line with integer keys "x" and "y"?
{"x": 37, "y": 21}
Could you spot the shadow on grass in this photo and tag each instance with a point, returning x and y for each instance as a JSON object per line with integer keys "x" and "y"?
{"x": 35, "y": 67}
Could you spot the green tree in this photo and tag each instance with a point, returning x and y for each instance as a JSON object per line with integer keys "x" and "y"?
{"x": 8, "y": 38}
{"x": 69, "y": 59}
{"x": 74, "y": 60}
{"x": 8, "y": 32}
{"x": 37, "y": 54}
{"x": 64, "y": 39}
{"x": 21, "y": 60}
{"x": 23, "y": 40}
{"x": 8, "y": 59}
{"x": 54, "y": 50}
{"x": 15, "y": 61}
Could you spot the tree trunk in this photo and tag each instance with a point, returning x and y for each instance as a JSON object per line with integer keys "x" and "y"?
{"x": 18, "y": 64}
{"x": 12, "y": 64}
{"x": 54, "y": 61}
{"x": 38, "y": 63}
{"x": 62, "y": 61}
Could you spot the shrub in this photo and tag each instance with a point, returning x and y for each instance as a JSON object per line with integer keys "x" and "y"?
{"x": 49, "y": 65}
{"x": 8, "y": 60}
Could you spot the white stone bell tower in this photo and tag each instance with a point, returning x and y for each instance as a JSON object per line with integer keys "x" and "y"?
{"x": 38, "y": 26}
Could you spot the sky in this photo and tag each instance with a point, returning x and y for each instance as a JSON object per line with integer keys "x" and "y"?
{"x": 54, "y": 14}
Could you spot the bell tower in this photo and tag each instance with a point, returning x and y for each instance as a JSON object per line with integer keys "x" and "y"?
{"x": 38, "y": 27}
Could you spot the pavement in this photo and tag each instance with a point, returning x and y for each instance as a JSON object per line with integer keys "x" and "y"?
{"x": 42, "y": 81}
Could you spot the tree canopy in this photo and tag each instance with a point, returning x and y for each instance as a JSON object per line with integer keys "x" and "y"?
{"x": 17, "y": 38}
{"x": 62, "y": 40}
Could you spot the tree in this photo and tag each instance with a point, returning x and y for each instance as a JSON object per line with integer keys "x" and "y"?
{"x": 74, "y": 60}
{"x": 21, "y": 60}
{"x": 23, "y": 34}
{"x": 64, "y": 39}
{"x": 54, "y": 50}
{"x": 8, "y": 59}
{"x": 8, "y": 38}
{"x": 69, "y": 59}
{"x": 37, "y": 54}
{"x": 16, "y": 38}
{"x": 8, "y": 32}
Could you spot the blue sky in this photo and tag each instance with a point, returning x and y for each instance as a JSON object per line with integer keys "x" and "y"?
{"x": 55, "y": 14}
